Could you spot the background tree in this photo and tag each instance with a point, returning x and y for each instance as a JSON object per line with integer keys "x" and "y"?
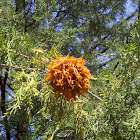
{"x": 32, "y": 32}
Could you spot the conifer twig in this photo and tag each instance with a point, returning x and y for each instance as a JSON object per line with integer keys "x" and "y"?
{"x": 16, "y": 67}
{"x": 20, "y": 54}
{"x": 25, "y": 56}
{"x": 94, "y": 95}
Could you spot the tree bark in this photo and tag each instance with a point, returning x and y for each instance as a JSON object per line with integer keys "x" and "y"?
{"x": 3, "y": 107}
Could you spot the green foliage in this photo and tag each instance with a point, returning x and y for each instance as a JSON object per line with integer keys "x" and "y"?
{"x": 33, "y": 33}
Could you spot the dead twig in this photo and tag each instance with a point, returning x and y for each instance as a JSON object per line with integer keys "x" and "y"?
{"x": 94, "y": 95}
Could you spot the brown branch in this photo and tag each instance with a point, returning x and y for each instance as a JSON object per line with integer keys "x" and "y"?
{"x": 58, "y": 13}
{"x": 101, "y": 65}
{"x": 7, "y": 83}
{"x": 58, "y": 18}
{"x": 26, "y": 12}
{"x": 16, "y": 67}
{"x": 25, "y": 56}
{"x": 3, "y": 108}
{"x": 94, "y": 95}
{"x": 20, "y": 54}
{"x": 128, "y": 18}
{"x": 9, "y": 94}
{"x": 103, "y": 51}
{"x": 116, "y": 66}
{"x": 30, "y": 24}
{"x": 95, "y": 46}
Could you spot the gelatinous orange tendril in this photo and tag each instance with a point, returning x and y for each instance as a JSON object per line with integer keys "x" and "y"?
{"x": 69, "y": 76}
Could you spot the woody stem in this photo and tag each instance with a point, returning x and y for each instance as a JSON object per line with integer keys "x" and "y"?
{"x": 94, "y": 95}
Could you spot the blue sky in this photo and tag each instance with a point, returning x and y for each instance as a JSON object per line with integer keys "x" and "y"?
{"x": 130, "y": 8}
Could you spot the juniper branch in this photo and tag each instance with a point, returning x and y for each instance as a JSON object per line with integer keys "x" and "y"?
{"x": 25, "y": 56}
{"x": 94, "y": 95}
{"x": 16, "y": 67}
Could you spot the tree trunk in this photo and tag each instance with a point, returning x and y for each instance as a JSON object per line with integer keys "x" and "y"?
{"x": 3, "y": 107}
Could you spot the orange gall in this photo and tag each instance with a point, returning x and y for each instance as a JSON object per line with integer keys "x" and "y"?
{"x": 69, "y": 76}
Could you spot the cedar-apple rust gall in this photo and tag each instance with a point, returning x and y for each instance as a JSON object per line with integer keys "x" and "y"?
{"x": 69, "y": 76}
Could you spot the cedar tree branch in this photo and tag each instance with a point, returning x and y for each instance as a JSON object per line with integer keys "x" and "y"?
{"x": 94, "y": 95}
{"x": 16, "y": 67}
